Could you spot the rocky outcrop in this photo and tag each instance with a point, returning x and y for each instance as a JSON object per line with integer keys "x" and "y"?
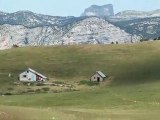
{"x": 99, "y": 11}
{"x": 91, "y": 30}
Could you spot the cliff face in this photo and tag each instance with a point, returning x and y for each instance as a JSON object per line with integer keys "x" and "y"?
{"x": 97, "y": 31}
{"x": 99, "y": 11}
{"x": 90, "y": 30}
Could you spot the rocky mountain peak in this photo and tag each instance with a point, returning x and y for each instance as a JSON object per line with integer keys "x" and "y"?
{"x": 99, "y": 11}
{"x": 95, "y": 30}
{"x": 133, "y": 14}
{"x": 24, "y": 11}
{"x": 3, "y": 13}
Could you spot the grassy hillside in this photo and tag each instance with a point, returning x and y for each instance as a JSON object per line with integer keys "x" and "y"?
{"x": 134, "y": 90}
{"x": 124, "y": 63}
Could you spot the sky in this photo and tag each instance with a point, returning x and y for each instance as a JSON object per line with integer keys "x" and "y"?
{"x": 74, "y": 7}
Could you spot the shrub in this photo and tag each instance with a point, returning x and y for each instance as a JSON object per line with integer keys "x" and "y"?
{"x": 56, "y": 91}
{"x": 21, "y": 92}
{"x": 58, "y": 82}
{"x": 142, "y": 40}
{"x": 40, "y": 84}
{"x": 31, "y": 84}
{"x": 38, "y": 90}
{"x": 7, "y": 93}
{"x": 30, "y": 90}
{"x": 46, "y": 88}
{"x": 10, "y": 88}
{"x": 89, "y": 83}
{"x": 68, "y": 90}
{"x": 28, "y": 83}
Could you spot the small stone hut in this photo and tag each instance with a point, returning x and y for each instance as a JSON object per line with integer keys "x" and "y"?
{"x": 99, "y": 76}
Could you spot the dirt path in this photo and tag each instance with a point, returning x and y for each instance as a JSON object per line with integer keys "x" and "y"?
{"x": 4, "y": 116}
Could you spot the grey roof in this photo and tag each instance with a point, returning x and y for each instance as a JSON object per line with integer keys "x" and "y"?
{"x": 101, "y": 74}
{"x": 33, "y": 71}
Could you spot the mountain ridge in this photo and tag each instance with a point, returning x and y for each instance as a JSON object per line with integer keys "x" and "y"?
{"x": 91, "y": 30}
{"x": 135, "y": 14}
{"x": 30, "y": 19}
{"x": 25, "y": 28}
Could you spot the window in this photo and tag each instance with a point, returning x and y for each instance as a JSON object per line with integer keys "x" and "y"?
{"x": 24, "y": 76}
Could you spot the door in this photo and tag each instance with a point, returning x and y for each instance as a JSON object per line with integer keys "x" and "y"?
{"x": 98, "y": 79}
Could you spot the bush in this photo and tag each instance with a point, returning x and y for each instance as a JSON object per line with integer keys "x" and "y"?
{"x": 68, "y": 90}
{"x": 56, "y": 91}
{"x": 30, "y": 90}
{"x": 10, "y": 89}
{"x": 40, "y": 84}
{"x": 38, "y": 90}
{"x": 58, "y": 82}
{"x": 7, "y": 93}
{"x": 89, "y": 83}
{"x": 46, "y": 89}
{"x": 142, "y": 40}
{"x": 28, "y": 83}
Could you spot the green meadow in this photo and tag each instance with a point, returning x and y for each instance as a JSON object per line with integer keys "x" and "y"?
{"x": 131, "y": 92}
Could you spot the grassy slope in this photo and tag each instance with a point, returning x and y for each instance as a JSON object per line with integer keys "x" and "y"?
{"x": 123, "y": 62}
{"x": 135, "y": 70}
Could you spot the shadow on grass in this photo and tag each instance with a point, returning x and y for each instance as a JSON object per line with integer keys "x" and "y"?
{"x": 149, "y": 71}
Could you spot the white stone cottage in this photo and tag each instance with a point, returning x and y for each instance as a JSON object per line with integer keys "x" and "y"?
{"x": 31, "y": 75}
{"x": 98, "y": 77}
